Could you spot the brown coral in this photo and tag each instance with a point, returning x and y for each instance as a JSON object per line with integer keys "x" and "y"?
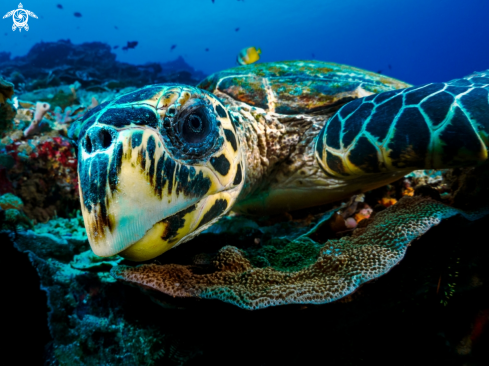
{"x": 341, "y": 267}
{"x": 7, "y": 110}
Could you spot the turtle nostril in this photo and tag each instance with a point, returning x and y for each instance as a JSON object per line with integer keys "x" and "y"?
{"x": 88, "y": 145}
{"x": 99, "y": 139}
{"x": 106, "y": 139}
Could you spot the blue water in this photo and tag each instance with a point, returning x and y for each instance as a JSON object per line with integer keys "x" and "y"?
{"x": 416, "y": 41}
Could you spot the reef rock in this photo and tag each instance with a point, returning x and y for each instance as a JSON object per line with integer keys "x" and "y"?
{"x": 93, "y": 64}
{"x": 7, "y": 110}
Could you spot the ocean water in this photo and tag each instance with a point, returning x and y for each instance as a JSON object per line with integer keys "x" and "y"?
{"x": 414, "y": 41}
{"x": 279, "y": 288}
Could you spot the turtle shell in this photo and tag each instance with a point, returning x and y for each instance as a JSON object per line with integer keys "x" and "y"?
{"x": 293, "y": 87}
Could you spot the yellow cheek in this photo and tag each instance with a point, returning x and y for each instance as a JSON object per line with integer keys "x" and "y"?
{"x": 158, "y": 239}
{"x": 150, "y": 246}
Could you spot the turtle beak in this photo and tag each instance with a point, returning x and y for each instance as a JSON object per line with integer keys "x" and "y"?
{"x": 137, "y": 200}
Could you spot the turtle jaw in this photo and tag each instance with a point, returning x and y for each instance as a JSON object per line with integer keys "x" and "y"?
{"x": 180, "y": 227}
{"x": 137, "y": 200}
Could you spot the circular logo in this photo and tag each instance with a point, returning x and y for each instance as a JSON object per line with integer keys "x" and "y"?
{"x": 20, "y": 18}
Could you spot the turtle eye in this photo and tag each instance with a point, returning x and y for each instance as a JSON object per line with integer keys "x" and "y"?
{"x": 195, "y": 126}
{"x": 193, "y": 132}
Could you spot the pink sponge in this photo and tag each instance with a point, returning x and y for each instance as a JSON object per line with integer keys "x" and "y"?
{"x": 35, "y": 126}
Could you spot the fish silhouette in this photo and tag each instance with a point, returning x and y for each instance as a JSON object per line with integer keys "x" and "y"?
{"x": 130, "y": 44}
{"x": 59, "y": 6}
{"x": 77, "y": 14}
{"x": 173, "y": 46}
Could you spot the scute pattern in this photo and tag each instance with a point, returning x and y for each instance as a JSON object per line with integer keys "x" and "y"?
{"x": 430, "y": 126}
{"x": 293, "y": 87}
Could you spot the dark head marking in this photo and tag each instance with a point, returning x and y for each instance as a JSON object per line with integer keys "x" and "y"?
{"x": 239, "y": 176}
{"x": 220, "y": 111}
{"x": 221, "y": 164}
{"x": 231, "y": 138}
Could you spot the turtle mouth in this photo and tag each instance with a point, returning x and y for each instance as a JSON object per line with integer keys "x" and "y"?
{"x": 180, "y": 227}
{"x": 138, "y": 201}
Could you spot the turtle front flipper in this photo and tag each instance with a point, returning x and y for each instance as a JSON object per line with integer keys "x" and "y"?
{"x": 433, "y": 126}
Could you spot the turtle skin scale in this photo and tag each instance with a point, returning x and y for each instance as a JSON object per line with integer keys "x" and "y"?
{"x": 160, "y": 164}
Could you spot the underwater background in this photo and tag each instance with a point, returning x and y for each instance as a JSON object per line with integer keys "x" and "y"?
{"x": 414, "y": 41}
{"x": 62, "y": 306}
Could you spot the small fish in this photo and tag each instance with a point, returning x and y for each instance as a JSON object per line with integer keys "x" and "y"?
{"x": 213, "y": 1}
{"x": 115, "y": 47}
{"x": 206, "y": 50}
{"x": 115, "y": 26}
{"x": 59, "y": 6}
{"x": 248, "y": 55}
{"x": 237, "y": 29}
{"x": 379, "y": 72}
{"x": 173, "y": 46}
{"x": 77, "y": 14}
{"x": 130, "y": 44}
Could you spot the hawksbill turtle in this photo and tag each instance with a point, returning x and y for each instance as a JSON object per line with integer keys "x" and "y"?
{"x": 160, "y": 164}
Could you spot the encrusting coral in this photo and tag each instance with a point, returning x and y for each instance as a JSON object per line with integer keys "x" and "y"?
{"x": 11, "y": 208}
{"x": 341, "y": 266}
{"x": 64, "y": 227}
{"x": 89, "y": 261}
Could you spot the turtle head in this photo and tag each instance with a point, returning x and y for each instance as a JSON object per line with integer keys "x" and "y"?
{"x": 156, "y": 166}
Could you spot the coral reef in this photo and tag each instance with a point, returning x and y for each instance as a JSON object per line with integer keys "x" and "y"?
{"x": 43, "y": 174}
{"x": 89, "y": 261}
{"x": 56, "y": 83}
{"x": 36, "y": 124}
{"x": 12, "y": 213}
{"x": 441, "y": 281}
{"x": 338, "y": 269}
{"x": 89, "y": 321}
{"x": 7, "y": 111}
{"x": 93, "y": 65}
{"x": 95, "y": 320}
{"x": 66, "y": 228}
